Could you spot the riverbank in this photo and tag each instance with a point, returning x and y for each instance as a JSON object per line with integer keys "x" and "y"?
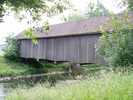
{"x": 13, "y": 69}
{"x": 30, "y": 67}
{"x": 8, "y": 68}
{"x": 34, "y": 76}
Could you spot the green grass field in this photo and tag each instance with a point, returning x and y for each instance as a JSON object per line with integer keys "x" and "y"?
{"x": 105, "y": 86}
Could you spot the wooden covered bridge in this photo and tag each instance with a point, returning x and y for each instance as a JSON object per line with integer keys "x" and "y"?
{"x": 72, "y": 41}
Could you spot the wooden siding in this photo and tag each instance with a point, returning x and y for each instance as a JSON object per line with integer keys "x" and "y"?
{"x": 78, "y": 49}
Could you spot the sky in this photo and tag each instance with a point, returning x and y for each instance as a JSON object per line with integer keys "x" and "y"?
{"x": 12, "y": 25}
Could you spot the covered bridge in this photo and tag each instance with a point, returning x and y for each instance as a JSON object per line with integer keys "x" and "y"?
{"x": 71, "y": 41}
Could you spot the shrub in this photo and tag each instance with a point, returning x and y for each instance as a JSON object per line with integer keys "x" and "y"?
{"x": 11, "y": 51}
{"x": 117, "y": 46}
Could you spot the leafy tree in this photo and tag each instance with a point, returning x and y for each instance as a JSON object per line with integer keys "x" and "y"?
{"x": 91, "y": 11}
{"x": 30, "y": 33}
{"x": 35, "y": 7}
{"x": 11, "y": 51}
{"x": 117, "y": 46}
{"x": 96, "y": 10}
{"x": 128, "y": 3}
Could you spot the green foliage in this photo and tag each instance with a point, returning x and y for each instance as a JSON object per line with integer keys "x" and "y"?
{"x": 30, "y": 33}
{"x": 96, "y": 10}
{"x": 91, "y": 11}
{"x": 109, "y": 86}
{"x": 11, "y": 51}
{"x": 126, "y": 3}
{"x": 46, "y": 26}
{"x": 35, "y": 7}
{"x": 117, "y": 46}
{"x": 20, "y": 5}
{"x": 130, "y": 4}
{"x": 57, "y": 6}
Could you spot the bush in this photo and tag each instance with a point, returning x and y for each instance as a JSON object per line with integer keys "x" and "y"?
{"x": 117, "y": 46}
{"x": 11, "y": 51}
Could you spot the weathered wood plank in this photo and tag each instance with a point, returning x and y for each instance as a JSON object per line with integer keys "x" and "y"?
{"x": 78, "y": 49}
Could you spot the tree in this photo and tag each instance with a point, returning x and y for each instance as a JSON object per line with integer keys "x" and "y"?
{"x": 127, "y": 3}
{"x": 35, "y": 7}
{"x": 91, "y": 11}
{"x": 117, "y": 46}
{"x": 11, "y": 51}
{"x": 96, "y": 10}
{"x": 130, "y": 4}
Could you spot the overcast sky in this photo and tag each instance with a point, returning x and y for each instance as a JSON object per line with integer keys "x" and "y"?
{"x": 11, "y": 25}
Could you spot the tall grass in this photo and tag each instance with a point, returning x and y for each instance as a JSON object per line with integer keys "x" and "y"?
{"x": 109, "y": 86}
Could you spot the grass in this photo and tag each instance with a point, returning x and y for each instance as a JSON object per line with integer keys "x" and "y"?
{"x": 8, "y": 68}
{"x": 53, "y": 67}
{"x": 105, "y": 86}
{"x": 12, "y": 68}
